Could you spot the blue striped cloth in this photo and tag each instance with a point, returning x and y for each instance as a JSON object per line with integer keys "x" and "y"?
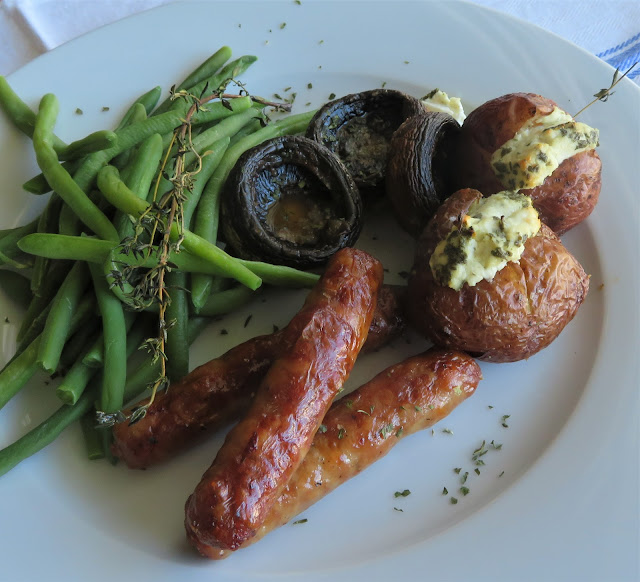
{"x": 624, "y": 55}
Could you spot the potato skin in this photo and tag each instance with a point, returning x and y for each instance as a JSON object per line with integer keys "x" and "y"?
{"x": 522, "y": 310}
{"x": 565, "y": 198}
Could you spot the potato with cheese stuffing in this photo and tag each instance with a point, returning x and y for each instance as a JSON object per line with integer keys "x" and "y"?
{"x": 525, "y": 142}
{"x": 474, "y": 296}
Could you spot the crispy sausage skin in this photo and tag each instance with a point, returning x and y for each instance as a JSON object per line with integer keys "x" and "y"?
{"x": 219, "y": 391}
{"x": 263, "y": 450}
{"x": 364, "y": 425}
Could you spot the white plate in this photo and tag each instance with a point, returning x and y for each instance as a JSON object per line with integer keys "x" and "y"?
{"x": 566, "y": 506}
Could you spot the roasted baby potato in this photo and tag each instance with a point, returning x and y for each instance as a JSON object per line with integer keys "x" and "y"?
{"x": 511, "y": 317}
{"x": 565, "y": 197}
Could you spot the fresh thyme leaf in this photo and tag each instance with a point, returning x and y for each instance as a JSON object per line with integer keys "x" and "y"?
{"x": 447, "y": 431}
{"x": 453, "y": 500}
{"x": 457, "y": 470}
{"x": 78, "y": 111}
{"x": 399, "y": 432}
{"x": 332, "y": 96}
{"x": 445, "y": 491}
{"x": 604, "y": 94}
{"x": 398, "y": 509}
{"x": 464, "y": 490}
{"x": 341, "y": 432}
{"x": 298, "y": 521}
{"x": 322, "y": 428}
{"x": 464, "y": 477}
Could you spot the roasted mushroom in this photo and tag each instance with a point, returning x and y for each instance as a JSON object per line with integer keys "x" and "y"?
{"x": 290, "y": 201}
{"x": 358, "y": 129}
{"x": 421, "y": 167}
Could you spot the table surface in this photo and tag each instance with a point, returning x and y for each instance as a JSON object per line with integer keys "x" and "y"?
{"x": 609, "y": 29}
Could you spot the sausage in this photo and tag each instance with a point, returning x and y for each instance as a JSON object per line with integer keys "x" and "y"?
{"x": 219, "y": 391}
{"x": 364, "y": 425}
{"x": 263, "y": 450}
{"x": 388, "y": 321}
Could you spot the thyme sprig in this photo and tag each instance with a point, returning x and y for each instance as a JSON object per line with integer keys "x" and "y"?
{"x": 604, "y": 94}
{"x": 152, "y": 231}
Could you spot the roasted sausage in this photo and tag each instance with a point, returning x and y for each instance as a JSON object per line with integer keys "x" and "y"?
{"x": 263, "y": 450}
{"x": 364, "y": 425}
{"x": 217, "y": 392}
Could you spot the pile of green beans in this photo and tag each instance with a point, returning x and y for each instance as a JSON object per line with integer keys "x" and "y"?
{"x": 80, "y": 321}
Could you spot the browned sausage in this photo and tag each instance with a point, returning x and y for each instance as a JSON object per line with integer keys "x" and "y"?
{"x": 219, "y": 391}
{"x": 263, "y": 450}
{"x": 364, "y": 425}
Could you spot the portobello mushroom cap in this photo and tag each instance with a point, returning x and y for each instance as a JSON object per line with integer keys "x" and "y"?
{"x": 420, "y": 169}
{"x": 358, "y": 129}
{"x": 290, "y": 201}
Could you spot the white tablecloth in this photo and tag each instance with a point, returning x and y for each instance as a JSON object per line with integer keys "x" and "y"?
{"x": 609, "y": 29}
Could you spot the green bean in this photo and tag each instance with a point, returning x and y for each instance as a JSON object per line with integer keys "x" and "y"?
{"x": 21, "y": 368}
{"x": 45, "y": 433}
{"x": 135, "y": 133}
{"x": 68, "y": 222}
{"x": 207, "y": 216}
{"x": 177, "y": 317}
{"x": 48, "y": 222}
{"x": 92, "y": 437}
{"x": 9, "y": 250}
{"x": 148, "y": 100}
{"x": 78, "y": 344}
{"x": 91, "y": 360}
{"x": 82, "y": 248}
{"x": 38, "y": 185}
{"x": 20, "y": 114}
{"x": 94, "y": 142}
{"x": 59, "y": 179}
{"x": 94, "y": 358}
{"x": 141, "y": 171}
{"x": 225, "y": 128}
{"x": 201, "y": 73}
{"x": 122, "y": 198}
{"x": 57, "y": 328}
{"x": 279, "y": 275}
{"x": 147, "y": 372}
{"x": 115, "y": 344}
{"x": 33, "y": 321}
{"x": 75, "y": 382}
{"x": 18, "y": 372}
{"x": 210, "y": 162}
{"x": 226, "y": 301}
{"x": 137, "y": 113}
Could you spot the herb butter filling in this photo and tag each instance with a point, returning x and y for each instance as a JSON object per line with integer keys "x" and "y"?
{"x": 439, "y": 102}
{"x": 539, "y": 147}
{"x": 489, "y": 236}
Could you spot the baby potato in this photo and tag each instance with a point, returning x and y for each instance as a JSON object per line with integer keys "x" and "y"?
{"x": 514, "y": 137}
{"x": 521, "y": 310}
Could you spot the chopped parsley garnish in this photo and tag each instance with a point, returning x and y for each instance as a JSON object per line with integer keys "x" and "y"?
{"x": 403, "y": 493}
{"x": 304, "y": 520}
{"x": 464, "y": 490}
